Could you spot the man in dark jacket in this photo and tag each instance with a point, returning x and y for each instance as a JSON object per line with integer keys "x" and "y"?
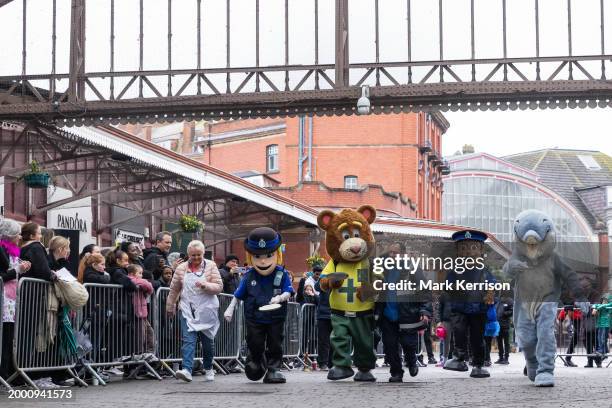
{"x": 163, "y": 242}
{"x": 504, "y": 316}
{"x": 400, "y": 315}
{"x": 230, "y": 274}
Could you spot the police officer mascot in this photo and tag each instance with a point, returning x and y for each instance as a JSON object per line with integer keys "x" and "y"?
{"x": 265, "y": 289}
{"x": 469, "y": 307}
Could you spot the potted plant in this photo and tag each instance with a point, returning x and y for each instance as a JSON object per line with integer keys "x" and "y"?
{"x": 36, "y": 177}
{"x": 190, "y": 223}
{"x": 315, "y": 260}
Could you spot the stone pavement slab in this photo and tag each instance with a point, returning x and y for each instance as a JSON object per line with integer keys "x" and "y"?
{"x": 433, "y": 387}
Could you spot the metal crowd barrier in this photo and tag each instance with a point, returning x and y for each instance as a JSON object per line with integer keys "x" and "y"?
{"x": 308, "y": 331}
{"x": 291, "y": 342}
{"x": 169, "y": 337}
{"x": 227, "y": 340}
{"x": 36, "y": 346}
{"x": 117, "y": 335}
{"x": 167, "y": 330}
{"x": 2, "y": 381}
{"x": 577, "y": 337}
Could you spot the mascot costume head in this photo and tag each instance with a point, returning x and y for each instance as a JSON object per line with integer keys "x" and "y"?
{"x": 534, "y": 234}
{"x": 348, "y": 237}
{"x": 263, "y": 250}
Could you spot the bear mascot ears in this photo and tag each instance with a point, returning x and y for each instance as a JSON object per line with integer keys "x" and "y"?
{"x": 325, "y": 217}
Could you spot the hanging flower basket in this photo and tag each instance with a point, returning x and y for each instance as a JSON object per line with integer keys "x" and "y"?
{"x": 36, "y": 177}
{"x": 37, "y": 180}
{"x": 190, "y": 223}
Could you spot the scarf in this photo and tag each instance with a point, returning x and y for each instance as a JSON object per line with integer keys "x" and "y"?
{"x": 10, "y": 247}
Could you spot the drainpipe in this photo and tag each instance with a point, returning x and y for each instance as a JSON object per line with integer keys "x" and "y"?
{"x": 309, "y": 171}
{"x": 300, "y": 147}
{"x": 606, "y": 246}
{"x": 209, "y": 144}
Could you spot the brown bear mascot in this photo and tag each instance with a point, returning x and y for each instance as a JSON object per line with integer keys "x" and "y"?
{"x": 349, "y": 280}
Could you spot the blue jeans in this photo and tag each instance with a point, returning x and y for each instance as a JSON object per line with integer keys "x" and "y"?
{"x": 602, "y": 339}
{"x": 190, "y": 340}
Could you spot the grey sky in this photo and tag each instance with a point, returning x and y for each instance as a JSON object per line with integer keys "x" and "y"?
{"x": 495, "y": 132}
{"x": 502, "y": 133}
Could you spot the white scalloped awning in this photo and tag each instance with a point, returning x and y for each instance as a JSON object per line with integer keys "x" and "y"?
{"x": 153, "y": 155}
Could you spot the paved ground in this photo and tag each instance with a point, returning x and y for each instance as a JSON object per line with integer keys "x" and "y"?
{"x": 433, "y": 387}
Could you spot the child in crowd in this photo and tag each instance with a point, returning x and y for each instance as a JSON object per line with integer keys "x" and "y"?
{"x": 92, "y": 269}
{"x": 166, "y": 277}
{"x": 310, "y": 297}
{"x": 139, "y": 300}
{"x": 442, "y": 334}
{"x": 117, "y": 263}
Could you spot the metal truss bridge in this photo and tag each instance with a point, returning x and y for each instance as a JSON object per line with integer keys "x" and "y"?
{"x": 479, "y": 55}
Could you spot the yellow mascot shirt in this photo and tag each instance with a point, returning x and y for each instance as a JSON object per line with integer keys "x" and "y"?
{"x": 345, "y": 298}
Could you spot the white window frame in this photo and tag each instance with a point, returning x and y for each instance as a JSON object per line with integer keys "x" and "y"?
{"x": 350, "y": 185}
{"x": 272, "y": 158}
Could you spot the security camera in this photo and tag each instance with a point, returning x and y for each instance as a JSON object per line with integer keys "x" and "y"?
{"x": 363, "y": 103}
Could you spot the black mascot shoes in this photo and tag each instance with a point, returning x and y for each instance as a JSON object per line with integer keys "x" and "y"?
{"x": 455, "y": 365}
{"x": 274, "y": 377}
{"x": 364, "y": 376}
{"x": 340, "y": 373}
{"x": 413, "y": 370}
{"x": 254, "y": 371}
{"x": 479, "y": 372}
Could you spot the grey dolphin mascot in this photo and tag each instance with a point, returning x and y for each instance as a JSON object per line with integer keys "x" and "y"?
{"x": 538, "y": 273}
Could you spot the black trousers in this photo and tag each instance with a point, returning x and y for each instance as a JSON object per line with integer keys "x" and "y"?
{"x": 393, "y": 338}
{"x": 589, "y": 337}
{"x": 488, "y": 341}
{"x": 265, "y": 343}
{"x": 427, "y": 340}
{"x": 324, "y": 356}
{"x": 503, "y": 342}
{"x": 7, "y": 368}
{"x": 472, "y": 326}
{"x": 589, "y": 340}
{"x": 575, "y": 336}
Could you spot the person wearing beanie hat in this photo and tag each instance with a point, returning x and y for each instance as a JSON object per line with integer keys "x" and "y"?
{"x": 266, "y": 283}
{"x": 230, "y": 273}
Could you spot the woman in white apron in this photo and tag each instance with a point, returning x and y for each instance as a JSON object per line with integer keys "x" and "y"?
{"x": 196, "y": 283}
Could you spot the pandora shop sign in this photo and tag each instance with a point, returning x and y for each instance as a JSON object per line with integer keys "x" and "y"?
{"x": 78, "y": 217}
{"x": 71, "y": 222}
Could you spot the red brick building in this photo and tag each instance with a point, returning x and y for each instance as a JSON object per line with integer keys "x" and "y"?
{"x": 390, "y": 161}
